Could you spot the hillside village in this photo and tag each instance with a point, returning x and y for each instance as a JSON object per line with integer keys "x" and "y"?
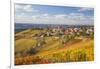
{"x": 38, "y": 41}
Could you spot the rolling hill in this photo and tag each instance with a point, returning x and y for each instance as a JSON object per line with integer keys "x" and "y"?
{"x": 52, "y": 51}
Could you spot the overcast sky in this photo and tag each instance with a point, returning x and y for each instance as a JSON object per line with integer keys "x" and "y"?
{"x": 43, "y": 14}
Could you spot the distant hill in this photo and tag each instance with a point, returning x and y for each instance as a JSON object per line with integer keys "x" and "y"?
{"x": 23, "y": 26}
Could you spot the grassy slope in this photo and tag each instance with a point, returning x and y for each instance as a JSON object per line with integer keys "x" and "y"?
{"x": 75, "y": 52}
{"x": 86, "y": 46}
{"x": 52, "y": 51}
{"x": 23, "y": 44}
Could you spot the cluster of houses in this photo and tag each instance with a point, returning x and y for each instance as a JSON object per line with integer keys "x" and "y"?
{"x": 64, "y": 34}
{"x": 77, "y": 31}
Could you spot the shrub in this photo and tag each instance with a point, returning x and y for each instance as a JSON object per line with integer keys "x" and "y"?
{"x": 32, "y": 51}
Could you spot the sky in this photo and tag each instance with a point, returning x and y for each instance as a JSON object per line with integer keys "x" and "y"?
{"x": 46, "y": 14}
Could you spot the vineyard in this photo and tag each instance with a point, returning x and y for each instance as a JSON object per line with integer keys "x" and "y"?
{"x": 64, "y": 55}
{"x": 33, "y": 46}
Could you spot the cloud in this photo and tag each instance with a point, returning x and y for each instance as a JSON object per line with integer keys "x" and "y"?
{"x": 24, "y": 9}
{"x": 85, "y": 9}
{"x": 69, "y": 19}
{"x": 28, "y": 14}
